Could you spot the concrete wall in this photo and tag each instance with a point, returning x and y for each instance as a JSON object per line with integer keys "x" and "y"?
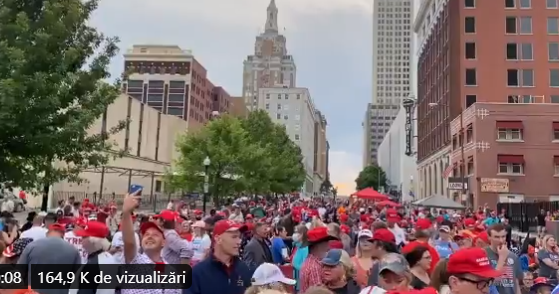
{"x": 142, "y": 161}
{"x": 400, "y": 169}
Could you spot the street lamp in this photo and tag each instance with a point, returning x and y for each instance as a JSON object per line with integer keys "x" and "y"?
{"x": 463, "y": 134}
{"x": 206, "y": 163}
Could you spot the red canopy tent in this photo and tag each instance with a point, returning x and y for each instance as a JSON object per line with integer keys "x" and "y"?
{"x": 388, "y": 203}
{"x": 370, "y": 194}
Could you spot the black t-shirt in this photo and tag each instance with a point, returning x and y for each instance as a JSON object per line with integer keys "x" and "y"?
{"x": 417, "y": 283}
{"x": 541, "y": 220}
{"x": 350, "y": 288}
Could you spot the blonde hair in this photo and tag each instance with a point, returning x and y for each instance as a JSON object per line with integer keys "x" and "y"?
{"x": 270, "y": 288}
{"x": 95, "y": 244}
{"x": 349, "y": 268}
{"x": 318, "y": 290}
{"x": 545, "y": 239}
{"x": 439, "y": 276}
{"x": 334, "y": 230}
{"x": 316, "y": 223}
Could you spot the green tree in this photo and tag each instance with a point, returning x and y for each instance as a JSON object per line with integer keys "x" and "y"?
{"x": 284, "y": 171}
{"x": 371, "y": 176}
{"x": 225, "y": 142}
{"x": 326, "y": 186}
{"x": 52, "y": 64}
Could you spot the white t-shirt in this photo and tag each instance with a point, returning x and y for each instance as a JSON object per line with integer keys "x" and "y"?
{"x": 118, "y": 242}
{"x": 35, "y": 233}
{"x": 76, "y": 241}
{"x": 372, "y": 290}
{"x": 200, "y": 245}
{"x": 399, "y": 234}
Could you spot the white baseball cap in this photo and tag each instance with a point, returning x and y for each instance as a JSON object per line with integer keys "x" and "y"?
{"x": 365, "y": 233}
{"x": 268, "y": 273}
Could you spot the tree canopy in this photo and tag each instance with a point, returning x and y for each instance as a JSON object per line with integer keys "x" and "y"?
{"x": 371, "y": 176}
{"x": 252, "y": 156}
{"x": 52, "y": 67}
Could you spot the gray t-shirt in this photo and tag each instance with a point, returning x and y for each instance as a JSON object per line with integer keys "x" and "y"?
{"x": 512, "y": 271}
{"x": 545, "y": 270}
{"x": 53, "y": 251}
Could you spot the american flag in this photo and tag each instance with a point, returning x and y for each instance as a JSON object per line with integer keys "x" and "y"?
{"x": 447, "y": 171}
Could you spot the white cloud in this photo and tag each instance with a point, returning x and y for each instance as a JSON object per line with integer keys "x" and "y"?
{"x": 344, "y": 168}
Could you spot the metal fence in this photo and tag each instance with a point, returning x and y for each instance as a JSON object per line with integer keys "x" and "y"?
{"x": 150, "y": 202}
{"x": 522, "y": 215}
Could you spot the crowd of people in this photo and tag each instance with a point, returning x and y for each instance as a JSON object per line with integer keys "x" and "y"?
{"x": 291, "y": 245}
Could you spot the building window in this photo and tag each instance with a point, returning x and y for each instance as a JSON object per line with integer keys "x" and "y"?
{"x": 509, "y": 4}
{"x": 512, "y": 51}
{"x": 470, "y": 50}
{"x": 511, "y": 168}
{"x": 279, "y": 106}
{"x": 278, "y": 115}
{"x": 553, "y": 51}
{"x": 286, "y": 117}
{"x": 520, "y": 77}
{"x": 471, "y": 79}
{"x": 525, "y": 4}
{"x": 554, "y": 98}
{"x": 555, "y": 131}
{"x": 470, "y": 166}
{"x": 509, "y": 134}
{"x": 526, "y": 51}
{"x": 510, "y": 25}
{"x": 551, "y": 4}
{"x": 470, "y": 4}
{"x": 267, "y": 105}
{"x": 298, "y": 96}
{"x": 556, "y": 165}
{"x": 525, "y": 24}
{"x": 554, "y": 77}
{"x": 470, "y": 99}
{"x": 267, "y": 96}
{"x": 297, "y": 137}
{"x": 470, "y": 25}
{"x": 553, "y": 25}
{"x": 469, "y": 134}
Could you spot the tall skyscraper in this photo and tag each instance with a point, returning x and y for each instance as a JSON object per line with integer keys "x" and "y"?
{"x": 270, "y": 66}
{"x": 392, "y": 55}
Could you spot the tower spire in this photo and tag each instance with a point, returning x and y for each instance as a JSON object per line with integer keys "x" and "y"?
{"x": 272, "y": 18}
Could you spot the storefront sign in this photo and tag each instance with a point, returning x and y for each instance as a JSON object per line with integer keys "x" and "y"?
{"x": 494, "y": 185}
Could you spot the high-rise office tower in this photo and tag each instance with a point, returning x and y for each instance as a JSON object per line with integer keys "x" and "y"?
{"x": 392, "y": 79}
{"x": 270, "y": 66}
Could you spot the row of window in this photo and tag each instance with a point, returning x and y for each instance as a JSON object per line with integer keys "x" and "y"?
{"x": 515, "y": 25}
{"x": 508, "y": 165}
{"x": 515, "y": 77}
{"x": 506, "y": 131}
{"x": 517, "y": 51}
{"x": 285, "y": 96}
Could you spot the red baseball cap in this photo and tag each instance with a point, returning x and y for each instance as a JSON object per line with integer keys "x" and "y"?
{"x": 57, "y": 227}
{"x": 384, "y": 235}
{"x": 167, "y": 215}
{"x": 93, "y": 229}
{"x": 469, "y": 222}
{"x": 151, "y": 225}
{"x": 224, "y": 226}
{"x": 392, "y": 215}
{"x": 413, "y": 291}
{"x": 471, "y": 261}
{"x": 423, "y": 224}
{"x": 483, "y": 236}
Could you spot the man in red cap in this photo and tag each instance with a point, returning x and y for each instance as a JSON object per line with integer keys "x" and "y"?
{"x": 311, "y": 270}
{"x": 423, "y": 228}
{"x": 222, "y": 271}
{"x": 176, "y": 250}
{"x": 470, "y": 271}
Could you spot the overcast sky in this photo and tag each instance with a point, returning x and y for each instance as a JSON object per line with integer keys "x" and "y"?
{"x": 329, "y": 39}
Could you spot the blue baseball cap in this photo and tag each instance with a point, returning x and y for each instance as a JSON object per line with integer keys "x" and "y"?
{"x": 333, "y": 257}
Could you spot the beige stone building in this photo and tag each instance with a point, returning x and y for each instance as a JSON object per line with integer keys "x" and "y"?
{"x": 150, "y": 139}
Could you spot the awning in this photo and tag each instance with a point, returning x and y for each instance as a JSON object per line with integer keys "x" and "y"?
{"x": 509, "y": 125}
{"x": 556, "y": 159}
{"x": 556, "y": 125}
{"x": 510, "y": 158}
